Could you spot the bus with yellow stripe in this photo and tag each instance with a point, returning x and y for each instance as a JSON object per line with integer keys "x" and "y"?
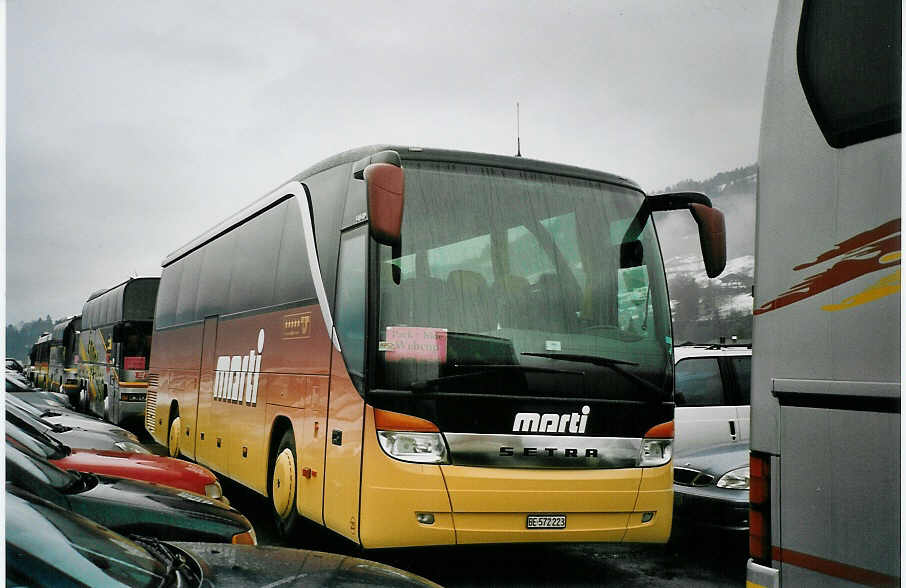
{"x": 114, "y": 349}
{"x": 825, "y": 477}
{"x": 427, "y": 347}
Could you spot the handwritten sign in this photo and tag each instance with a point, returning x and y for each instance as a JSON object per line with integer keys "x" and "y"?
{"x": 419, "y": 343}
{"x": 134, "y": 363}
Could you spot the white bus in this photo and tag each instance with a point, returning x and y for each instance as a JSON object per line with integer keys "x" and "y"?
{"x": 825, "y": 412}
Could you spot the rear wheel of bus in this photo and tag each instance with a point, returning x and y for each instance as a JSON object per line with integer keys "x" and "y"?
{"x": 283, "y": 484}
{"x": 173, "y": 436}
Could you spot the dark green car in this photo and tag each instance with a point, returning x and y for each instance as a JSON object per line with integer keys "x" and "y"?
{"x": 47, "y": 546}
{"x": 128, "y": 506}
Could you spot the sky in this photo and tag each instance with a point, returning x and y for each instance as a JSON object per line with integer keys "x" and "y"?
{"x": 134, "y": 126}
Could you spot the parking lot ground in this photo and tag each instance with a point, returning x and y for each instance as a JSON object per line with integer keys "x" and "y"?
{"x": 693, "y": 557}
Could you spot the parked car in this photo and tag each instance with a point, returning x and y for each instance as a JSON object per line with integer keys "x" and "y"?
{"x": 146, "y": 467}
{"x": 711, "y": 487}
{"x": 14, "y": 365}
{"x": 128, "y": 506}
{"x": 712, "y": 396}
{"x": 20, "y": 387}
{"x": 48, "y": 546}
{"x": 75, "y": 431}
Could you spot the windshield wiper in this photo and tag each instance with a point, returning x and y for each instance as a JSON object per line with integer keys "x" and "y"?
{"x": 175, "y": 562}
{"x": 614, "y": 364}
{"x": 487, "y": 368}
{"x": 49, "y": 413}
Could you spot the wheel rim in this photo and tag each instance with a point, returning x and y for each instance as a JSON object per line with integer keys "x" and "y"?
{"x": 283, "y": 486}
{"x": 173, "y": 444}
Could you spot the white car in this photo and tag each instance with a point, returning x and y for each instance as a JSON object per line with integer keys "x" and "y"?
{"x": 712, "y": 396}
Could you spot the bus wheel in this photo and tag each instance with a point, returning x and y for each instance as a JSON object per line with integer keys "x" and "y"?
{"x": 173, "y": 439}
{"x": 283, "y": 485}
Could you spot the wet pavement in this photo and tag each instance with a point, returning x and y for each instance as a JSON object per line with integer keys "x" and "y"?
{"x": 693, "y": 557}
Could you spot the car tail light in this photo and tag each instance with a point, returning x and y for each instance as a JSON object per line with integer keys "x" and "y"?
{"x": 760, "y": 507}
{"x": 247, "y": 538}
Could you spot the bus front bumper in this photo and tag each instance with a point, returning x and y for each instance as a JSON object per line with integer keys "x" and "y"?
{"x": 405, "y": 504}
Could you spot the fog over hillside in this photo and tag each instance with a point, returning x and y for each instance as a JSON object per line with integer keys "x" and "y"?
{"x": 706, "y": 309}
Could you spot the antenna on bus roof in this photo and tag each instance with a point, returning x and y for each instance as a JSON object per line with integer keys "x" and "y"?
{"x": 518, "y": 145}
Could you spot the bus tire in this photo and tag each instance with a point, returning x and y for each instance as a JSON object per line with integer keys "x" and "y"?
{"x": 283, "y": 485}
{"x": 173, "y": 437}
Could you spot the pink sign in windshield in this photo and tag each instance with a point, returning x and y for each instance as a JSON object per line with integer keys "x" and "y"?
{"x": 134, "y": 363}
{"x": 419, "y": 343}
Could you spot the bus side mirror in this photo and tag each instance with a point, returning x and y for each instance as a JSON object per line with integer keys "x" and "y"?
{"x": 384, "y": 185}
{"x": 712, "y": 230}
{"x": 712, "y": 233}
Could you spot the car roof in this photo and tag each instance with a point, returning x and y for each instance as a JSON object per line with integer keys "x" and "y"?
{"x": 685, "y": 351}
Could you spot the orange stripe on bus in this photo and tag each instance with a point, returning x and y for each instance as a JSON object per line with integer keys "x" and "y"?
{"x": 133, "y": 384}
{"x": 833, "y": 568}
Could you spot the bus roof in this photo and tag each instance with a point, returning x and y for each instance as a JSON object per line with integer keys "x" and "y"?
{"x": 133, "y": 299}
{"x": 60, "y": 328}
{"x": 406, "y": 154}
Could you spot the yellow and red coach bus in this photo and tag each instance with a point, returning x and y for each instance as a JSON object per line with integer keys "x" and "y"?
{"x": 494, "y": 365}
{"x": 114, "y": 349}
{"x": 39, "y": 358}
{"x": 64, "y": 357}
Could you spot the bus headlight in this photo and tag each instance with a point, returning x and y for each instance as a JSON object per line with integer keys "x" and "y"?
{"x": 414, "y": 447}
{"x": 655, "y": 452}
{"x": 737, "y": 479}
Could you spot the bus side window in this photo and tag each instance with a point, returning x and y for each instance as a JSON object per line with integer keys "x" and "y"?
{"x": 851, "y": 74}
{"x": 188, "y": 288}
{"x": 350, "y": 304}
{"x": 214, "y": 280}
{"x": 293, "y": 271}
{"x": 165, "y": 314}
{"x": 255, "y": 261}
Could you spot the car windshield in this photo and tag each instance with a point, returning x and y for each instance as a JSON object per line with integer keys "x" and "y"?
{"x": 26, "y": 415}
{"x": 515, "y": 282}
{"x": 46, "y": 545}
{"x": 36, "y": 441}
{"x": 13, "y": 384}
{"x": 29, "y": 469}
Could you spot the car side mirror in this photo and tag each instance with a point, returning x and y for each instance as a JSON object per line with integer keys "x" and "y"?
{"x": 385, "y": 183}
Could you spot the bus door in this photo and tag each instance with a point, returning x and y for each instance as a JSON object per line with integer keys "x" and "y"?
{"x": 203, "y": 435}
{"x": 346, "y": 409}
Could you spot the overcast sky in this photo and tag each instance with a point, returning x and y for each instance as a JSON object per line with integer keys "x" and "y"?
{"x": 134, "y": 126}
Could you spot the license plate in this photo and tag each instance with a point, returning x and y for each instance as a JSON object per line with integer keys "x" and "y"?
{"x": 545, "y": 522}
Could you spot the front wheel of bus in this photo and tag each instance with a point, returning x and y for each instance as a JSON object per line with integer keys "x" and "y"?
{"x": 283, "y": 485}
{"x": 173, "y": 439}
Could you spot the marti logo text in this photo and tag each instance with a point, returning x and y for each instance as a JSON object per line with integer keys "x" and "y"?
{"x": 236, "y": 378}
{"x": 532, "y": 422}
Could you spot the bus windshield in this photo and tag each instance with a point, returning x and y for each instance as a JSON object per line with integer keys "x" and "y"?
{"x": 513, "y": 282}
